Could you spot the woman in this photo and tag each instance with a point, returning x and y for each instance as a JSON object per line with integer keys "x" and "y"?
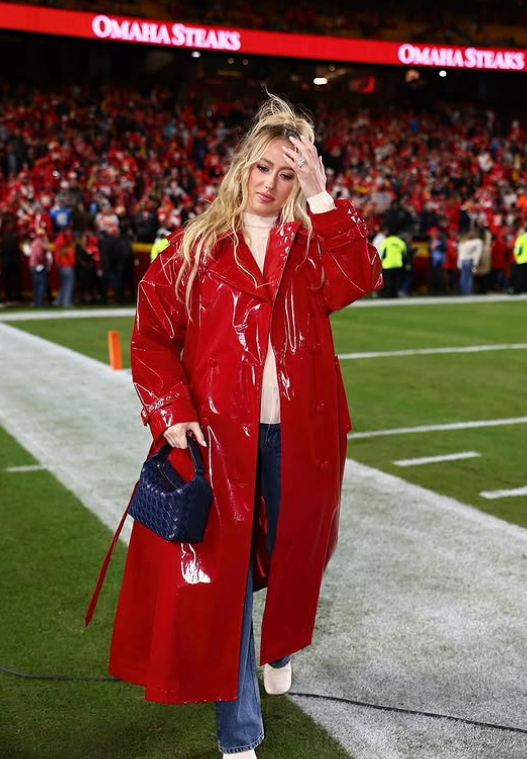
{"x": 232, "y": 344}
{"x": 469, "y": 252}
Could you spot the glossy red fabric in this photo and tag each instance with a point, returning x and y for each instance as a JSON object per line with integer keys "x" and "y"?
{"x": 178, "y": 622}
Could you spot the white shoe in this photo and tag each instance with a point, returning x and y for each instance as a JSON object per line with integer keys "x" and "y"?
{"x": 277, "y": 681}
{"x": 241, "y": 755}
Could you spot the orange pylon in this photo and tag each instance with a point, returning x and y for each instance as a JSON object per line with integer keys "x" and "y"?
{"x": 114, "y": 349}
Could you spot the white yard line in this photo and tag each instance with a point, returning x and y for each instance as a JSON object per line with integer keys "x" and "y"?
{"x": 423, "y": 605}
{"x": 440, "y": 427}
{"x": 432, "y": 351}
{"x": 76, "y": 416}
{"x": 427, "y": 300}
{"x": 29, "y": 468}
{"x": 411, "y": 615}
{"x": 437, "y": 459}
{"x": 512, "y": 493}
{"x": 68, "y": 313}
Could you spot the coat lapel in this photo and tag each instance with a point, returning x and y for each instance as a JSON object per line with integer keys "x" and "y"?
{"x": 242, "y": 274}
{"x": 280, "y": 242}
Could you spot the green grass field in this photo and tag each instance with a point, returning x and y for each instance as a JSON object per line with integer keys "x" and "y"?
{"x": 88, "y": 336}
{"x": 389, "y": 393}
{"x": 49, "y": 546}
{"x": 49, "y": 543}
{"x": 408, "y": 391}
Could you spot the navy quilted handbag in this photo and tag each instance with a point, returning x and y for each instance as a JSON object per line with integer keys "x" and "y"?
{"x": 172, "y": 508}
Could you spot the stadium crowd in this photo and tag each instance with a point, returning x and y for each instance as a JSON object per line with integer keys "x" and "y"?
{"x": 93, "y": 172}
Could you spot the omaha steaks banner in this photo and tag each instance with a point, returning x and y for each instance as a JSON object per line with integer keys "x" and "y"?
{"x": 103, "y": 26}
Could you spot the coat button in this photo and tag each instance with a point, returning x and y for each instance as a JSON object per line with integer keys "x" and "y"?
{"x": 316, "y": 348}
{"x": 211, "y": 361}
{"x": 323, "y": 465}
{"x": 321, "y": 407}
{"x": 205, "y": 421}
{"x": 205, "y": 303}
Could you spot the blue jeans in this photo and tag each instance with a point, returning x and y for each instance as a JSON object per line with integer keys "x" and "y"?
{"x": 67, "y": 286}
{"x": 40, "y": 282}
{"x": 466, "y": 278}
{"x": 239, "y": 724}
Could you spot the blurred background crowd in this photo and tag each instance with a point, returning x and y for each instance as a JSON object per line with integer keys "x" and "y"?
{"x": 93, "y": 172}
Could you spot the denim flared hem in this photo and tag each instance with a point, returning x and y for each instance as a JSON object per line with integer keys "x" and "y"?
{"x": 239, "y": 749}
{"x": 280, "y": 663}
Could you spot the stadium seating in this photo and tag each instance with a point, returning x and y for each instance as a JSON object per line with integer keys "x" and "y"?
{"x": 149, "y": 162}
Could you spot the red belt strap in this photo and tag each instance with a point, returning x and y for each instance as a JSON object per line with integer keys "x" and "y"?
{"x": 104, "y": 567}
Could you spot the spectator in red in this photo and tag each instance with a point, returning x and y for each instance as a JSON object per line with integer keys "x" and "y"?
{"x": 64, "y": 255}
{"x": 498, "y": 280}
{"x": 85, "y": 270}
{"x": 450, "y": 265}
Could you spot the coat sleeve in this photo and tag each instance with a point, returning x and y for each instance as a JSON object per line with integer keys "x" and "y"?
{"x": 157, "y": 341}
{"x": 351, "y": 266}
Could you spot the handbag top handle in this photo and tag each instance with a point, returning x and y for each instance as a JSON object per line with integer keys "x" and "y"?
{"x": 195, "y": 455}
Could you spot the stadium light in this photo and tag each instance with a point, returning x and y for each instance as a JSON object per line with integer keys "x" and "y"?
{"x": 320, "y": 80}
{"x": 442, "y": 73}
{"x": 196, "y": 54}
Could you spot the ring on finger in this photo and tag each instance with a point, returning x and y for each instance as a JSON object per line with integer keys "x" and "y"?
{"x": 300, "y": 161}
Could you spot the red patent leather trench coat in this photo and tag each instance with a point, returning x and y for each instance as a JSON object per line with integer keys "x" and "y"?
{"x": 178, "y": 622}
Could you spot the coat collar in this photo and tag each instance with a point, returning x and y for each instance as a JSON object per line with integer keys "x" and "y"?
{"x": 237, "y": 268}
{"x": 244, "y": 274}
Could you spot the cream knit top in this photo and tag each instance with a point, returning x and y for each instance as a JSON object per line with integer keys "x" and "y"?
{"x": 257, "y": 230}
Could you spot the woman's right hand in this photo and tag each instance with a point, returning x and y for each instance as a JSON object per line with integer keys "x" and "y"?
{"x": 176, "y": 435}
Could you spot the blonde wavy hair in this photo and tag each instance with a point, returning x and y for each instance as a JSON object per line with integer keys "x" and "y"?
{"x": 276, "y": 118}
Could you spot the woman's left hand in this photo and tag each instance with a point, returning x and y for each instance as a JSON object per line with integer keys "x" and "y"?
{"x": 307, "y": 165}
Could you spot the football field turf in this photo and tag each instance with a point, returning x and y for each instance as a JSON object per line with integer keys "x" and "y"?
{"x": 50, "y": 544}
{"x": 50, "y": 550}
{"x": 387, "y": 393}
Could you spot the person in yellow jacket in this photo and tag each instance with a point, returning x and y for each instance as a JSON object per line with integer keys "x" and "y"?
{"x": 519, "y": 267}
{"x": 160, "y": 243}
{"x": 393, "y": 253}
